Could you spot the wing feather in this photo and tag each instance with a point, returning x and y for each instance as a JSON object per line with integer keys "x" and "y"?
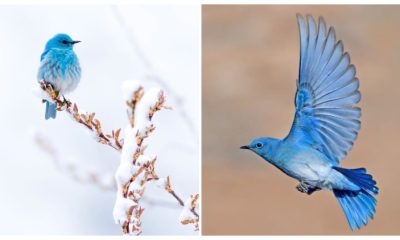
{"x": 327, "y": 117}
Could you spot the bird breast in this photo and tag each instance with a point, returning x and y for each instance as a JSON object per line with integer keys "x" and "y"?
{"x": 61, "y": 69}
{"x": 305, "y": 165}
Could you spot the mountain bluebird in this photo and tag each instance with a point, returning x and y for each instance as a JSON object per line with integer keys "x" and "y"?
{"x": 325, "y": 125}
{"x": 59, "y": 67}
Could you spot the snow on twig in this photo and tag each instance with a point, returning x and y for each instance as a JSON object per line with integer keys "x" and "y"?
{"x": 136, "y": 169}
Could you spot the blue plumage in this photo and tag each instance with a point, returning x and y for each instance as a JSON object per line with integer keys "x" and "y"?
{"x": 51, "y": 110}
{"x": 325, "y": 126}
{"x": 59, "y": 67}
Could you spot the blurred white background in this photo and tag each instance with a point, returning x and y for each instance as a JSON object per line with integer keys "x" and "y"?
{"x": 118, "y": 43}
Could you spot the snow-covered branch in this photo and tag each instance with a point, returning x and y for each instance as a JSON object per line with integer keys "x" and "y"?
{"x": 136, "y": 168}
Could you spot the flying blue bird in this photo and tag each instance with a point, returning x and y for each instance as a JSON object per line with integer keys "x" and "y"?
{"x": 59, "y": 67}
{"x": 325, "y": 126}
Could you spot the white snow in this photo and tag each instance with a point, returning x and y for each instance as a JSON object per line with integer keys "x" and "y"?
{"x": 150, "y": 98}
{"x": 124, "y": 172}
{"x": 145, "y": 159}
{"x": 127, "y": 166}
{"x": 130, "y": 145}
{"x": 186, "y": 213}
{"x": 135, "y": 187}
{"x": 121, "y": 208}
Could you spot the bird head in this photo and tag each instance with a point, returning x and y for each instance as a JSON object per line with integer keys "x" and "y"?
{"x": 264, "y": 147}
{"x": 62, "y": 41}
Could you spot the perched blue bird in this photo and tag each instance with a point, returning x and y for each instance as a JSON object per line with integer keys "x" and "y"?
{"x": 325, "y": 125}
{"x": 59, "y": 67}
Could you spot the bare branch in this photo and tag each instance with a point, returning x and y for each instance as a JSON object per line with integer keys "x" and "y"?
{"x": 85, "y": 119}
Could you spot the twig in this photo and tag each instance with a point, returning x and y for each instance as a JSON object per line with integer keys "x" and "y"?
{"x": 87, "y": 120}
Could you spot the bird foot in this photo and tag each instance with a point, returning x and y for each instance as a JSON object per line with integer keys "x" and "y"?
{"x": 306, "y": 188}
{"x": 66, "y": 101}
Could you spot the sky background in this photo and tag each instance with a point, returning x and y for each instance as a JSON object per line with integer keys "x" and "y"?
{"x": 157, "y": 45}
{"x": 249, "y": 67}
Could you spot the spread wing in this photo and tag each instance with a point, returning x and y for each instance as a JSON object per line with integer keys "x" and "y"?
{"x": 326, "y": 117}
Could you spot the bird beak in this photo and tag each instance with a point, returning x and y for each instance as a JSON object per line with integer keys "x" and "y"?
{"x": 73, "y": 42}
{"x": 245, "y": 147}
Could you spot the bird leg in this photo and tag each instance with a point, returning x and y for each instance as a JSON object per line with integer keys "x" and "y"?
{"x": 66, "y": 101}
{"x": 306, "y": 188}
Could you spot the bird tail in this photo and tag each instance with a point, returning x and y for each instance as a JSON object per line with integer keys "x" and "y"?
{"x": 357, "y": 206}
{"x": 51, "y": 110}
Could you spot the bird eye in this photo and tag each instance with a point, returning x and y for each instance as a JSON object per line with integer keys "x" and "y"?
{"x": 259, "y": 145}
{"x": 64, "y": 41}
